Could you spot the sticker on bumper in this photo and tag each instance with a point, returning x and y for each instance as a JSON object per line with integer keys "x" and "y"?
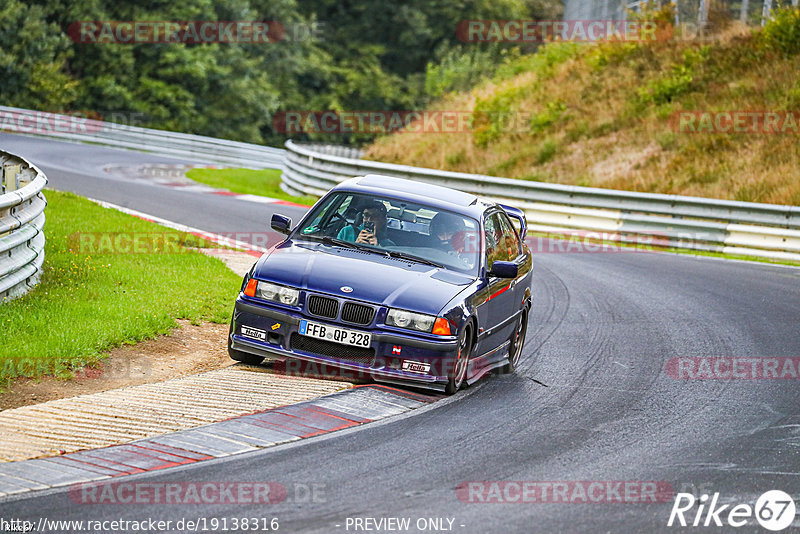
{"x": 254, "y": 333}
{"x": 416, "y": 367}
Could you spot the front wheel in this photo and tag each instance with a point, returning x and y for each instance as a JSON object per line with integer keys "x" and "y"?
{"x": 517, "y": 341}
{"x": 461, "y": 364}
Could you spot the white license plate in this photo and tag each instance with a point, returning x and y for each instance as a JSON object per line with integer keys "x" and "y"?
{"x": 335, "y": 334}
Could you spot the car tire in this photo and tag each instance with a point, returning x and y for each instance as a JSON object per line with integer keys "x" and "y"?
{"x": 239, "y": 356}
{"x": 245, "y": 357}
{"x": 517, "y": 343}
{"x": 462, "y": 362}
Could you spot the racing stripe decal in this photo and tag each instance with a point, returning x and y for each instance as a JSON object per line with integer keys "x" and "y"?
{"x": 498, "y": 292}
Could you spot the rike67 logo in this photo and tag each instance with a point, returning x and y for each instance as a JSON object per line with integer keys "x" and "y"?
{"x": 774, "y": 510}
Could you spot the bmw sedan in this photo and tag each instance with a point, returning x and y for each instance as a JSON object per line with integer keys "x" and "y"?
{"x": 391, "y": 280}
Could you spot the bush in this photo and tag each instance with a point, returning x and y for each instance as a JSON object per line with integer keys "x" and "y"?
{"x": 492, "y": 115}
{"x": 554, "y": 111}
{"x": 782, "y": 33}
{"x": 459, "y": 70}
{"x": 678, "y": 82}
{"x": 547, "y": 150}
{"x": 542, "y": 62}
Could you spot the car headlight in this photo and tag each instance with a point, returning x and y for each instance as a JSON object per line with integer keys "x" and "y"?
{"x": 410, "y": 320}
{"x": 272, "y": 292}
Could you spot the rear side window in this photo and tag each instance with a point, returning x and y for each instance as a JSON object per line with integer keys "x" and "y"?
{"x": 510, "y": 239}
{"x": 494, "y": 237}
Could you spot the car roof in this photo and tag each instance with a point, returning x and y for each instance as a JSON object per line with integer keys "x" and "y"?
{"x": 421, "y": 192}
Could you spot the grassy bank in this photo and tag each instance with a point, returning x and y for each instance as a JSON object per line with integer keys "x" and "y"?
{"x": 265, "y": 182}
{"x": 608, "y": 115}
{"x": 108, "y": 279}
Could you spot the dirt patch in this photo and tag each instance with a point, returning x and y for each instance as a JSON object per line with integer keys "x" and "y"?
{"x": 189, "y": 349}
{"x": 622, "y": 163}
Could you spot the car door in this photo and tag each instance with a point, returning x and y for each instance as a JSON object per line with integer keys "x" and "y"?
{"x": 519, "y": 254}
{"x": 499, "y": 304}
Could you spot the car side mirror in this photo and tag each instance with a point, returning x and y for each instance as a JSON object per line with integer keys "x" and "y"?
{"x": 281, "y": 223}
{"x": 504, "y": 269}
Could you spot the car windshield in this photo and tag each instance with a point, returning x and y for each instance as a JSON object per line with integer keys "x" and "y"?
{"x": 402, "y": 229}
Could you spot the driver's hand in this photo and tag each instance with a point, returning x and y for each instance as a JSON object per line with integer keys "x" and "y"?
{"x": 367, "y": 238}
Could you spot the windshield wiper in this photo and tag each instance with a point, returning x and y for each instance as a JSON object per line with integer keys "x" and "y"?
{"x": 328, "y": 240}
{"x": 412, "y": 257}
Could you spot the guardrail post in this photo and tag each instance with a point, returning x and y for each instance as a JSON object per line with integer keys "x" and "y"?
{"x": 11, "y": 173}
{"x": 10, "y": 181}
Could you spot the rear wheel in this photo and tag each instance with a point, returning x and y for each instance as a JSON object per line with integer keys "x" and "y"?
{"x": 517, "y": 342}
{"x": 239, "y": 356}
{"x": 462, "y": 362}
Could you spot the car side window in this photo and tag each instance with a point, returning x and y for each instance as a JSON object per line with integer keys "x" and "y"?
{"x": 495, "y": 240}
{"x": 326, "y": 216}
{"x": 510, "y": 239}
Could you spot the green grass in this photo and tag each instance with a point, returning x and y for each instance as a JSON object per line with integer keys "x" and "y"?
{"x": 265, "y": 182}
{"x": 91, "y": 299}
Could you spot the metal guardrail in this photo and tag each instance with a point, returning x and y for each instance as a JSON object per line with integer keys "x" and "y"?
{"x": 21, "y": 225}
{"x": 197, "y": 148}
{"x": 751, "y": 229}
{"x": 745, "y": 228}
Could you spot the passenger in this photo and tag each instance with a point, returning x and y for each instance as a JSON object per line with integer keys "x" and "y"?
{"x": 374, "y": 214}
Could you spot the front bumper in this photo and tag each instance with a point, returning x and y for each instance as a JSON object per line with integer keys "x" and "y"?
{"x": 390, "y": 348}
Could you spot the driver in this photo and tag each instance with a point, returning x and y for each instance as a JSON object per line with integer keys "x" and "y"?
{"x": 448, "y": 233}
{"x": 442, "y": 229}
{"x": 374, "y": 214}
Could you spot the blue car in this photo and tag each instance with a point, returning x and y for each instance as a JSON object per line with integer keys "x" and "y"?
{"x": 391, "y": 280}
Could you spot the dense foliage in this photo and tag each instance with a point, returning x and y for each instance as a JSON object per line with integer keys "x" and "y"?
{"x": 627, "y": 115}
{"x": 361, "y": 55}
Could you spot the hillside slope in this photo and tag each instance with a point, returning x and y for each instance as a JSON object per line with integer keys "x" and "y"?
{"x": 609, "y": 115}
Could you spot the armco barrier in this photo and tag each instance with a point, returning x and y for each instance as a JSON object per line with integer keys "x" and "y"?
{"x": 196, "y": 148}
{"x": 745, "y": 228}
{"x": 21, "y": 225}
{"x": 751, "y": 229}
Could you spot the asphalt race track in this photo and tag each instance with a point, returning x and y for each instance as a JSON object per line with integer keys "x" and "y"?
{"x": 80, "y": 169}
{"x": 592, "y": 400}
